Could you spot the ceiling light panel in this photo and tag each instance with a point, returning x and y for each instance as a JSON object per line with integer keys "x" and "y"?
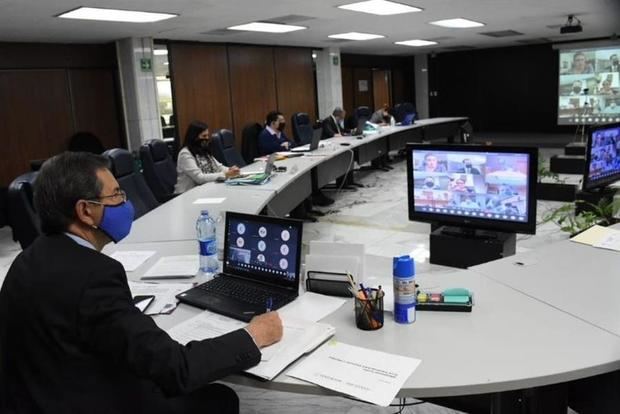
{"x": 267, "y": 27}
{"x": 416, "y": 43}
{"x": 458, "y": 23}
{"x": 380, "y": 7}
{"x": 115, "y": 15}
{"x": 356, "y": 36}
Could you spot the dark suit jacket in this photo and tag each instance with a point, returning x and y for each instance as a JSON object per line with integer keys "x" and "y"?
{"x": 71, "y": 340}
{"x": 268, "y": 144}
{"x": 330, "y": 128}
{"x": 473, "y": 170}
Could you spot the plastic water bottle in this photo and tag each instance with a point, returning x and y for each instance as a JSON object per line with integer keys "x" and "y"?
{"x": 205, "y": 231}
{"x": 404, "y": 289}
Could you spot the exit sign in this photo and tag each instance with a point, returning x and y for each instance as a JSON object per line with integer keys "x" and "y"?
{"x": 146, "y": 64}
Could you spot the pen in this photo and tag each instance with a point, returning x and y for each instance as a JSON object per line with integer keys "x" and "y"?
{"x": 269, "y": 304}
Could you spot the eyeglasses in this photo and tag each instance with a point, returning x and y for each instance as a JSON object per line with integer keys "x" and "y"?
{"x": 119, "y": 196}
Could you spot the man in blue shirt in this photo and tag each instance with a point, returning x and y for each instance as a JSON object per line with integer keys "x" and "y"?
{"x": 272, "y": 138}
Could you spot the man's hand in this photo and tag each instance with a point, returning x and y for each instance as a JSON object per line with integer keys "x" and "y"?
{"x": 232, "y": 171}
{"x": 285, "y": 145}
{"x": 266, "y": 329}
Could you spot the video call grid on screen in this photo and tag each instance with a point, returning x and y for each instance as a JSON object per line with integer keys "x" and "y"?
{"x": 604, "y": 154}
{"x": 492, "y": 186}
{"x": 265, "y": 249}
{"x": 589, "y": 86}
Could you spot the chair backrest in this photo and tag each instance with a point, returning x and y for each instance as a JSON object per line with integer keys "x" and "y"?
{"x": 4, "y": 205}
{"x": 363, "y": 112}
{"x": 408, "y": 113}
{"x": 22, "y": 217}
{"x": 249, "y": 141}
{"x": 397, "y": 112}
{"x": 85, "y": 142}
{"x": 132, "y": 182}
{"x": 302, "y": 128}
{"x": 158, "y": 168}
{"x": 224, "y": 150}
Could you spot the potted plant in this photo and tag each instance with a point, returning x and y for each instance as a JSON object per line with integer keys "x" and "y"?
{"x": 605, "y": 213}
{"x": 551, "y": 186}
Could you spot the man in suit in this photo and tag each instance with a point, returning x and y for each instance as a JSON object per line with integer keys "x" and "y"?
{"x": 468, "y": 168}
{"x": 272, "y": 138}
{"x": 333, "y": 125}
{"x": 614, "y": 64}
{"x": 71, "y": 339}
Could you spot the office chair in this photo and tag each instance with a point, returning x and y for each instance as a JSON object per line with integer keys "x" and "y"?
{"x": 362, "y": 112}
{"x": 132, "y": 182}
{"x": 159, "y": 169}
{"x": 249, "y": 141}
{"x": 408, "y": 113}
{"x": 22, "y": 217}
{"x": 397, "y": 112}
{"x": 302, "y": 128}
{"x": 223, "y": 148}
{"x": 85, "y": 142}
{"x": 4, "y": 195}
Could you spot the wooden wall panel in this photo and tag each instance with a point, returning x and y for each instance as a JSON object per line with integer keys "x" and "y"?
{"x": 361, "y": 97}
{"x": 296, "y": 91}
{"x": 348, "y": 98}
{"x": 95, "y": 105}
{"x": 56, "y": 56}
{"x": 36, "y": 119}
{"x": 252, "y": 85}
{"x": 381, "y": 88}
{"x": 201, "y": 86}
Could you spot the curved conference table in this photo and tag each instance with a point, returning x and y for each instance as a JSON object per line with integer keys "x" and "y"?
{"x": 512, "y": 340}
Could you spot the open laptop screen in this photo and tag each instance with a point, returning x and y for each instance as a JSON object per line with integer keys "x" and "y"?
{"x": 263, "y": 248}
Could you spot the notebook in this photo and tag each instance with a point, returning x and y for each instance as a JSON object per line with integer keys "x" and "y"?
{"x": 260, "y": 269}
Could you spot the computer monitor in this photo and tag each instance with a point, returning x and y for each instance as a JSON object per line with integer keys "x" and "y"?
{"x": 263, "y": 249}
{"x": 602, "y": 156}
{"x": 480, "y": 187}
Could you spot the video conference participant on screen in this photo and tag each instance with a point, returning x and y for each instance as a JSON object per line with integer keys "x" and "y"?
{"x": 433, "y": 164}
{"x": 581, "y": 64}
{"x": 614, "y": 64}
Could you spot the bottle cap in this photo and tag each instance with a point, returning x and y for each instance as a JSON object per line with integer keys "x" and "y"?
{"x": 404, "y": 266}
{"x": 204, "y": 212}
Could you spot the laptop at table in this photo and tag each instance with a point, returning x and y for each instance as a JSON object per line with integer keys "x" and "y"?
{"x": 260, "y": 268}
{"x": 314, "y": 144}
{"x": 267, "y": 171}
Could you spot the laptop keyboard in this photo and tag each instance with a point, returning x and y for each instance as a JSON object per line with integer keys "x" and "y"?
{"x": 253, "y": 294}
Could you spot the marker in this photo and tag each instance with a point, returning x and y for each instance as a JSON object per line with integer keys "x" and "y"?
{"x": 269, "y": 304}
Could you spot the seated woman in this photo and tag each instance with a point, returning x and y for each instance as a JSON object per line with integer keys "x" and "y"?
{"x": 195, "y": 164}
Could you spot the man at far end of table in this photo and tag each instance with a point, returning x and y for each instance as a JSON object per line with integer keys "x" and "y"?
{"x": 71, "y": 339}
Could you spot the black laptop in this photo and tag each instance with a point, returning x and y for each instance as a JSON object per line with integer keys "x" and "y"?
{"x": 260, "y": 269}
{"x": 314, "y": 144}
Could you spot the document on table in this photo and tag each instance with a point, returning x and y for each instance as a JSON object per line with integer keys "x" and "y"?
{"x": 132, "y": 259}
{"x": 311, "y": 307}
{"x": 165, "y": 295}
{"x": 213, "y": 200}
{"x": 299, "y": 337}
{"x": 601, "y": 237}
{"x": 172, "y": 267}
{"x": 367, "y": 375}
{"x": 611, "y": 241}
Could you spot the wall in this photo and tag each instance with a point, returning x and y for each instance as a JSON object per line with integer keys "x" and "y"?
{"x": 503, "y": 89}
{"x": 229, "y": 86}
{"x": 47, "y": 93}
{"x": 367, "y": 67}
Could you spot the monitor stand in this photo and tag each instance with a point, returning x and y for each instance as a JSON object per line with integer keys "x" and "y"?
{"x": 464, "y": 247}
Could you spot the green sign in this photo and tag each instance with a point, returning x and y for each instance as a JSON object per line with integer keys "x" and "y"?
{"x": 146, "y": 65}
{"x": 335, "y": 60}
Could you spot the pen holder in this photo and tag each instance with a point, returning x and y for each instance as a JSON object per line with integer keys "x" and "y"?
{"x": 369, "y": 310}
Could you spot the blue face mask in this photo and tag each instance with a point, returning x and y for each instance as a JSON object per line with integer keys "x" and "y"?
{"x": 116, "y": 221}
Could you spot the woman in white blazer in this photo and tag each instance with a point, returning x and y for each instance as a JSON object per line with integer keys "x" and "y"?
{"x": 195, "y": 163}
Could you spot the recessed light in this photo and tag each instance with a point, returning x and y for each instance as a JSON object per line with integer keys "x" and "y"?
{"x": 267, "y": 27}
{"x": 355, "y": 36}
{"x": 416, "y": 43}
{"x": 160, "y": 52}
{"x": 458, "y": 23}
{"x": 115, "y": 15}
{"x": 380, "y": 7}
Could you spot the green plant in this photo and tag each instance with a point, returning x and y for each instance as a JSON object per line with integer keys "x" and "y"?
{"x": 604, "y": 213}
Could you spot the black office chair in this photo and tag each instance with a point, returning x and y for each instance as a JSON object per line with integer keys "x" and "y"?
{"x": 397, "y": 112}
{"x": 4, "y": 202}
{"x": 85, "y": 142}
{"x": 302, "y": 128}
{"x": 224, "y": 150}
{"x": 249, "y": 141}
{"x": 159, "y": 169}
{"x": 132, "y": 182}
{"x": 362, "y": 112}
{"x": 22, "y": 217}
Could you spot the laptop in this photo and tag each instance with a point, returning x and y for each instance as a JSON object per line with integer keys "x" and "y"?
{"x": 314, "y": 144}
{"x": 260, "y": 268}
{"x": 267, "y": 171}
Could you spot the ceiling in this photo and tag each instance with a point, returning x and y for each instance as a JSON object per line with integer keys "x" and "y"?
{"x": 33, "y": 21}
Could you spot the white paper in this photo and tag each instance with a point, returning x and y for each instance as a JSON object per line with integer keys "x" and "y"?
{"x": 611, "y": 241}
{"x": 132, "y": 259}
{"x": 212, "y": 200}
{"x": 165, "y": 295}
{"x": 299, "y": 337}
{"x": 311, "y": 307}
{"x": 367, "y": 375}
{"x": 172, "y": 266}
